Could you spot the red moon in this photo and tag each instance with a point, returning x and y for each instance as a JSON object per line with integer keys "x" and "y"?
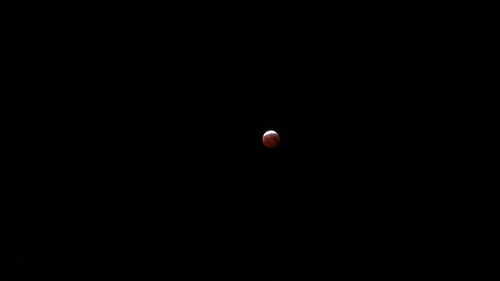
{"x": 271, "y": 139}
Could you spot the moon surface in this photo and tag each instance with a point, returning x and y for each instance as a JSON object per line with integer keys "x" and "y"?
{"x": 271, "y": 139}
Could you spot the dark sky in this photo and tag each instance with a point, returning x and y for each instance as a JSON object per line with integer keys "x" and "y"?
{"x": 137, "y": 136}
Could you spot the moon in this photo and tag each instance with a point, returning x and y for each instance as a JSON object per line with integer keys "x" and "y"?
{"x": 271, "y": 139}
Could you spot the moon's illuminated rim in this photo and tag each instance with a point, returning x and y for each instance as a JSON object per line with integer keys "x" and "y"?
{"x": 270, "y": 132}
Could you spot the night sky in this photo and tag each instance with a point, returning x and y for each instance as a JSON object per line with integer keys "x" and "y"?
{"x": 135, "y": 138}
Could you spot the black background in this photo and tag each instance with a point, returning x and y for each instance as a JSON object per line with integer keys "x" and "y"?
{"x": 136, "y": 141}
